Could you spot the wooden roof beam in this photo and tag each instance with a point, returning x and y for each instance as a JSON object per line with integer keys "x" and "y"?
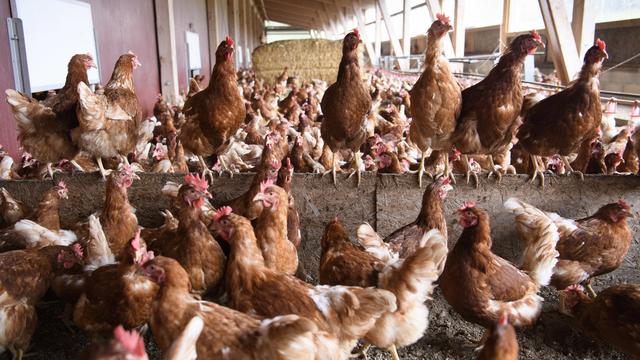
{"x": 357, "y": 11}
{"x": 395, "y": 43}
{"x": 562, "y": 44}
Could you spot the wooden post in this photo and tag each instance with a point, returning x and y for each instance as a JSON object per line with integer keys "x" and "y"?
{"x": 357, "y": 11}
{"x": 246, "y": 56}
{"x": 395, "y": 44}
{"x": 406, "y": 27}
{"x": 166, "y": 33}
{"x": 584, "y": 24}
{"x": 433, "y": 8}
{"x": 459, "y": 28}
{"x": 377, "y": 47}
{"x": 504, "y": 26}
{"x": 562, "y": 45}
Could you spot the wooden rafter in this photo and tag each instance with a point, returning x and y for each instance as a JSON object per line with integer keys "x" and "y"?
{"x": 562, "y": 45}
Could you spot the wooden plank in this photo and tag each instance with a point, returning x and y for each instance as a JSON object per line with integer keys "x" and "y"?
{"x": 395, "y": 44}
{"x": 377, "y": 47}
{"x": 562, "y": 45}
{"x": 504, "y": 26}
{"x": 406, "y": 27}
{"x": 583, "y": 24}
{"x": 166, "y": 33}
{"x": 459, "y": 28}
{"x": 433, "y": 8}
{"x": 361, "y": 25}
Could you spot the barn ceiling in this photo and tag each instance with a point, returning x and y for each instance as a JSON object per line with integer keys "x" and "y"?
{"x": 311, "y": 14}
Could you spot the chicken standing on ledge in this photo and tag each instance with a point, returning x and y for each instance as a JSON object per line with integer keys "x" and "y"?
{"x": 109, "y": 122}
{"x": 491, "y": 107}
{"x": 44, "y": 128}
{"x": 345, "y": 105}
{"x": 560, "y": 123}
{"x": 435, "y": 100}
{"x": 214, "y": 114}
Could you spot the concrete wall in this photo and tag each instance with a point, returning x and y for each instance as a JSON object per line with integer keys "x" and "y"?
{"x": 385, "y": 201}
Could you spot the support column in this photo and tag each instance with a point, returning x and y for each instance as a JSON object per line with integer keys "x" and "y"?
{"x": 395, "y": 44}
{"x": 504, "y": 26}
{"x": 584, "y": 24}
{"x": 166, "y": 33}
{"x": 367, "y": 42}
{"x": 562, "y": 44}
{"x": 377, "y": 47}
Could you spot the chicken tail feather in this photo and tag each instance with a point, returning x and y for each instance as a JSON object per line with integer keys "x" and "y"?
{"x": 540, "y": 235}
{"x": 288, "y": 336}
{"x": 373, "y": 243}
{"x": 412, "y": 279}
{"x": 98, "y": 251}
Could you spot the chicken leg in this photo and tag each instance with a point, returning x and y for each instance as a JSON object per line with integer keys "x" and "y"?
{"x": 587, "y": 286}
{"x": 537, "y": 171}
{"x": 50, "y": 170}
{"x": 394, "y": 352}
{"x": 333, "y": 168}
{"x": 125, "y": 160}
{"x": 361, "y": 352}
{"x": 570, "y": 170}
{"x": 76, "y": 165}
{"x": 103, "y": 172}
{"x": 494, "y": 170}
{"x": 224, "y": 167}
{"x": 447, "y": 169}
{"x": 467, "y": 166}
{"x": 421, "y": 168}
{"x": 205, "y": 169}
{"x": 358, "y": 164}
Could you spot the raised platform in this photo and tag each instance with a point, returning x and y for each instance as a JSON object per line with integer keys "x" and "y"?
{"x": 388, "y": 202}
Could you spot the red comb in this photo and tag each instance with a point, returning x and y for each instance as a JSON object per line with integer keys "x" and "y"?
{"x": 468, "y": 204}
{"x": 265, "y": 184}
{"x": 275, "y": 164}
{"x": 504, "y": 319}
{"x": 62, "y": 185}
{"x": 223, "y": 211}
{"x": 624, "y": 204}
{"x": 130, "y": 340}
{"x": 77, "y": 251}
{"x": 443, "y": 18}
{"x": 357, "y": 32}
{"x": 601, "y": 44}
{"x": 536, "y": 35}
{"x": 197, "y": 181}
{"x": 229, "y": 41}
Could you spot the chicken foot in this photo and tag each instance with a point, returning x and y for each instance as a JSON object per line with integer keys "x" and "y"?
{"x": 224, "y": 167}
{"x": 103, "y": 172}
{"x": 570, "y": 170}
{"x": 361, "y": 352}
{"x": 76, "y": 165}
{"x": 333, "y": 168}
{"x": 205, "y": 169}
{"x": 587, "y": 286}
{"x": 448, "y": 173}
{"x": 394, "y": 352}
{"x": 17, "y": 354}
{"x": 358, "y": 165}
{"x": 494, "y": 170}
{"x": 421, "y": 170}
{"x": 470, "y": 173}
{"x": 537, "y": 171}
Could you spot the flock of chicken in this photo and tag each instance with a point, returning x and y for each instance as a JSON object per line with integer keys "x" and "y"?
{"x": 220, "y": 282}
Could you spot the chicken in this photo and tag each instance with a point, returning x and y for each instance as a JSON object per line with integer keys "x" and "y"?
{"x": 191, "y": 244}
{"x": 124, "y": 345}
{"x": 630, "y": 162}
{"x": 117, "y": 217}
{"x": 342, "y": 314}
{"x": 388, "y": 163}
{"x": 278, "y": 252}
{"x": 435, "y": 99}
{"x": 285, "y": 176}
{"x": 227, "y": 333}
{"x": 117, "y": 294}
{"x": 267, "y": 171}
{"x": 44, "y": 128}
{"x": 588, "y": 247}
{"x": 25, "y": 276}
{"x": 491, "y": 107}
{"x": 560, "y": 123}
{"x": 608, "y": 122}
{"x": 43, "y": 226}
{"x": 184, "y": 347}
{"x": 282, "y": 78}
{"x": 481, "y": 286}
{"x": 11, "y": 210}
{"x": 406, "y": 240}
{"x": 214, "y": 114}
{"x": 501, "y": 342}
{"x": 345, "y": 104}
{"x": 109, "y": 123}
{"x": 411, "y": 280}
{"x": 613, "y": 316}
{"x": 195, "y": 85}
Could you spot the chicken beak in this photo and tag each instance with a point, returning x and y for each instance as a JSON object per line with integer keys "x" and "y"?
{"x": 135, "y": 176}
{"x": 259, "y": 197}
{"x": 449, "y": 28}
{"x": 447, "y": 187}
{"x": 606, "y": 54}
{"x": 540, "y": 43}
{"x": 207, "y": 194}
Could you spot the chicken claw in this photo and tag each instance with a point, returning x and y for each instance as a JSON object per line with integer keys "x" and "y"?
{"x": 103, "y": 172}
{"x": 537, "y": 171}
{"x": 497, "y": 171}
{"x": 570, "y": 170}
{"x": 333, "y": 169}
{"x": 470, "y": 172}
{"x": 357, "y": 171}
{"x": 361, "y": 352}
{"x": 587, "y": 286}
{"x": 205, "y": 169}
{"x": 76, "y": 165}
{"x": 421, "y": 170}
